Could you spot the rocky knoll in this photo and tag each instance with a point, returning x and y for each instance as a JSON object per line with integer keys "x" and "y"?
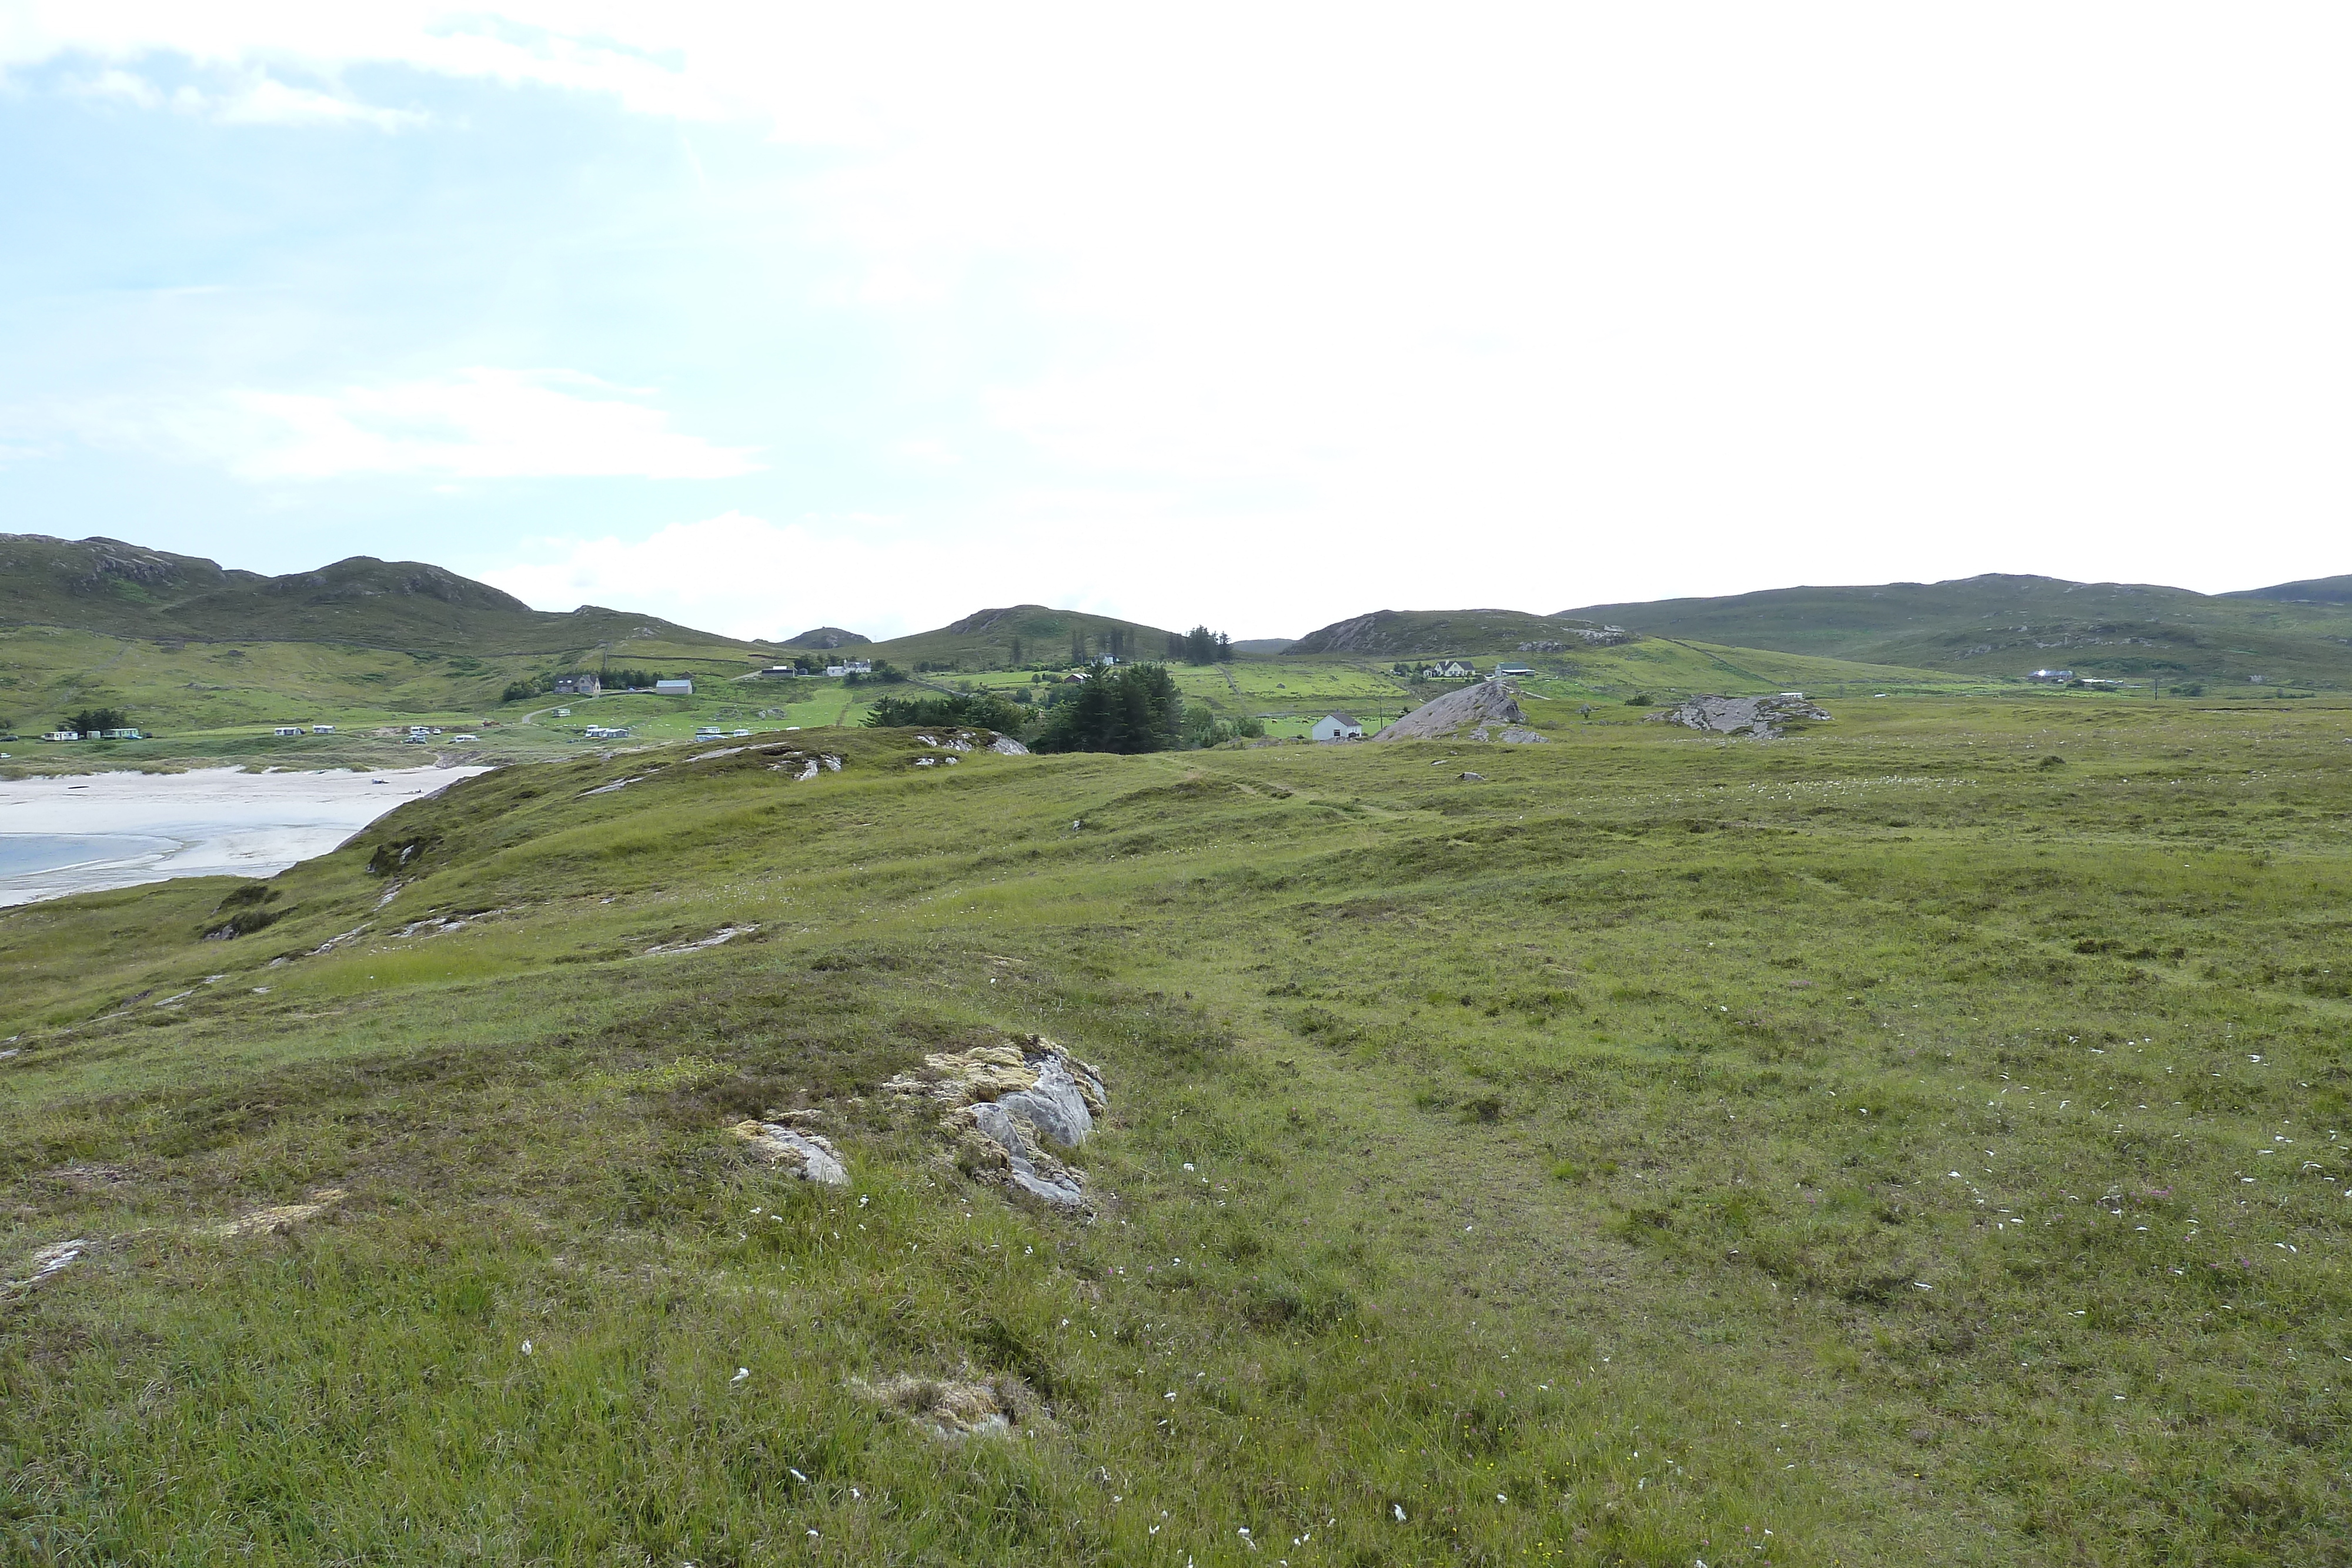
{"x": 1487, "y": 711}
{"x": 1760, "y": 718}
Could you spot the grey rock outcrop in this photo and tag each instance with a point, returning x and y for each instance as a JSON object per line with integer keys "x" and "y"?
{"x": 1487, "y": 711}
{"x": 805, "y": 1154}
{"x": 1008, "y": 1107}
{"x": 1758, "y": 718}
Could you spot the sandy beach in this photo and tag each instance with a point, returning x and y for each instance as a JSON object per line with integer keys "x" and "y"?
{"x": 81, "y": 833}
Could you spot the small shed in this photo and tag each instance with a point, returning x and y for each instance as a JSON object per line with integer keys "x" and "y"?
{"x": 1336, "y": 726}
{"x": 673, "y": 688}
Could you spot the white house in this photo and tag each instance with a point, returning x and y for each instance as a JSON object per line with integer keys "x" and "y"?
{"x": 673, "y": 688}
{"x": 1451, "y": 670}
{"x": 1336, "y": 726}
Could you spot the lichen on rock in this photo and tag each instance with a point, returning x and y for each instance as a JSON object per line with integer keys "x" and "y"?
{"x": 807, "y": 1155}
{"x": 1008, "y": 1108}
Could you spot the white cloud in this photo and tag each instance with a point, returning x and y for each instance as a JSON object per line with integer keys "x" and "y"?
{"x": 483, "y": 423}
{"x": 888, "y": 576}
{"x": 1663, "y": 299}
{"x": 249, "y": 97}
{"x": 263, "y": 100}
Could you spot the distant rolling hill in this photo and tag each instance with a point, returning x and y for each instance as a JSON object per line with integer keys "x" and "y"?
{"x": 122, "y": 589}
{"x": 1425, "y": 634}
{"x": 823, "y": 637}
{"x": 180, "y": 643}
{"x": 986, "y": 639}
{"x": 1996, "y": 626}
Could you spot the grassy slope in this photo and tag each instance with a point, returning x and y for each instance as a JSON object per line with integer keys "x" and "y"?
{"x": 1292, "y": 692}
{"x": 128, "y": 591}
{"x": 1574, "y": 1161}
{"x": 2003, "y": 626}
{"x": 1428, "y": 633}
{"x": 212, "y": 701}
{"x": 983, "y": 639}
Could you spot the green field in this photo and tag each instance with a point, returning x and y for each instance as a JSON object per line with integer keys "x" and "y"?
{"x": 1922, "y": 1138}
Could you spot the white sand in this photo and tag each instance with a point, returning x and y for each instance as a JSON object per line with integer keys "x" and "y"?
{"x": 217, "y": 823}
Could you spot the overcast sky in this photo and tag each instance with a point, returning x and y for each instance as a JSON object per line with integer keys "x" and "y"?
{"x": 1260, "y": 314}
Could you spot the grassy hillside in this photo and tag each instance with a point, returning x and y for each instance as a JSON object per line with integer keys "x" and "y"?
{"x": 106, "y": 586}
{"x": 983, "y": 641}
{"x": 1290, "y": 692}
{"x": 1930, "y": 1129}
{"x": 1428, "y": 633}
{"x": 2002, "y": 627}
{"x": 219, "y": 701}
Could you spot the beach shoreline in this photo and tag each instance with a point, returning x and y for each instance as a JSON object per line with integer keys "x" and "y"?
{"x": 217, "y": 821}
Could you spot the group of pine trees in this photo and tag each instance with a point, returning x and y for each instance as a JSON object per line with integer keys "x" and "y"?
{"x": 1198, "y": 646}
{"x": 981, "y": 710}
{"x": 1135, "y": 707}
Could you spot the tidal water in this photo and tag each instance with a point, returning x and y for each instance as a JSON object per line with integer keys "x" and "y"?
{"x": 21, "y": 854}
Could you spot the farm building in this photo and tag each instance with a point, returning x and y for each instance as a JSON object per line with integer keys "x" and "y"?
{"x": 1336, "y": 726}
{"x": 680, "y": 688}
{"x": 1510, "y": 672}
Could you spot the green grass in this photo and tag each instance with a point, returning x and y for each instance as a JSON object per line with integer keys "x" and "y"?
{"x": 2000, "y": 627}
{"x": 1572, "y": 1154}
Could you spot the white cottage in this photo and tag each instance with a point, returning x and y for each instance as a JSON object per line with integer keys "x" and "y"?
{"x": 1336, "y": 726}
